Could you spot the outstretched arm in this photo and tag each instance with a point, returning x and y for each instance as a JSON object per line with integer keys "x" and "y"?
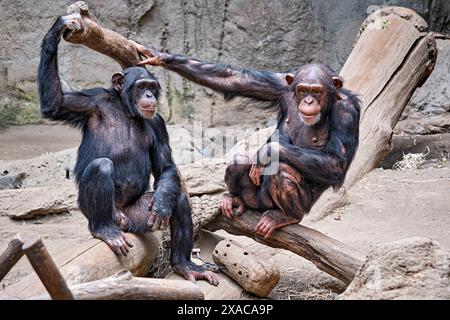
{"x": 54, "y": 103}
{"x": 329, "y": 166}
{"x": 263, "y": 86}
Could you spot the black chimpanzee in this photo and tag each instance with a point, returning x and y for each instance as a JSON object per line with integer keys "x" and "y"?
{"x": 124, "y": 141}
{"x": 318, "y": 128}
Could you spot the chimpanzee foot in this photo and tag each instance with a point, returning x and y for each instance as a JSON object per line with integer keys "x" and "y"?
{"x": 192, "y": 272}
{"x": 272, "y": 220}
{"x": 229, "y": 202}
{"x": 114, "y": 238}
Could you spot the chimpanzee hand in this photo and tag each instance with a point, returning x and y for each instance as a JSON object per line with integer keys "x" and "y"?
{"x": 71, "y": 22}
{"x": 160, "y": 214}
{"x": 154, "y": 57}
{"x": 255, "y": 174}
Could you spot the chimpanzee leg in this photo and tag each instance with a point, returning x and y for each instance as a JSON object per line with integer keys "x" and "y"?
{"x": 292, "y": 198}
{"x": 96, "y": 201}
{"x": 243, "y": 193}
{"x": 182, "y": 238}
{"x": 136, "y": 216}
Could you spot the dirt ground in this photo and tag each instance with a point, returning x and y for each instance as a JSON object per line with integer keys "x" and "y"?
{"x": 385, "y": 205}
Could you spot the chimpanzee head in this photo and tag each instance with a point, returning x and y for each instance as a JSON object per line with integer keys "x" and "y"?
{"x": 139, "y": 90}
{"x": 314, "y": 87}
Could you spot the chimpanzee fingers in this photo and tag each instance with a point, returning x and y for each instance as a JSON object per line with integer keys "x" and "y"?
{"x": 128, "y": 242}
{"x": 166, "y": 222}
{"x": 269, "y": 233}
{"x": 154, "y": 61}
{"x": 151, "y": 220}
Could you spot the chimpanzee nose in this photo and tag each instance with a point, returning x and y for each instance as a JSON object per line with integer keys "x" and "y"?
{"x": 148, "y": 95}
{"x": 309, "y": 100}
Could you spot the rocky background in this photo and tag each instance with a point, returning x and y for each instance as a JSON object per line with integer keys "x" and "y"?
{"x": 267, "y": 35}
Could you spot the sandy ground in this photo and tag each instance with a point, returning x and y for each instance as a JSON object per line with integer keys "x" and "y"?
{"x": 25, "y": 142}
{"x": 385, "y": 205}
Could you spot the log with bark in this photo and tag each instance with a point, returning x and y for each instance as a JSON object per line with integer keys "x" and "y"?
{"x": 123, "y": 286}
{"x": 391, "y": 58}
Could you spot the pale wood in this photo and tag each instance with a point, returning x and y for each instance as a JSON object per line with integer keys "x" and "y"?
{"x": 253, "y": 274}
{"x": 10, "y": 256}
{"x": 329, "y": 255}
{"x": 102, "y": 40}
{"x": 93, "y": 260}
{"x": 123, "y": 286}
{"x": 45, "y": 267}
{"x": 385, "y": 67}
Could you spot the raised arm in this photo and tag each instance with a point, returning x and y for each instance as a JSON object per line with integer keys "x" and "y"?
{"x": 258, "y": 85}
{"x": 71, "y": 107}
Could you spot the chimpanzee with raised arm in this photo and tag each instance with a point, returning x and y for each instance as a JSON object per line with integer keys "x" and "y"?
{"x": 124, "y": 140}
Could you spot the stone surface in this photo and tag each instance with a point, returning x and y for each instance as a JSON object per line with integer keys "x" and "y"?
{"x": 413, "y": 268}
{"x": 429, "y": 108}
{"x": 270, "y": 35}
{"x": 32, "y": 202}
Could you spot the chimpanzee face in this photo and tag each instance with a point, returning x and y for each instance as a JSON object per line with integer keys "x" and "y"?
{"x": 313, "y": 86}
{"x": 139, "y": 90}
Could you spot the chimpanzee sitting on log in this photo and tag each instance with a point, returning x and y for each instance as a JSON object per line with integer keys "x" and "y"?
{"x": 318, "y": 128}
{"x": 124, "y": 141}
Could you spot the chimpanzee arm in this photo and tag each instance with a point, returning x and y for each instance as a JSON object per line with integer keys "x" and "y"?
{"x": 54, "y": 103}
{"x": 258, "y": 85}
{"x": 327, "y": 166}
{"x": 167, "y": 182}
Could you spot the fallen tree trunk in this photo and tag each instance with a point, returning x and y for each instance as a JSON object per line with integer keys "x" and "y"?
{"x": 391, "y": 57}
{"x": 123, "y": 286}
{"x": 329, "y": 255}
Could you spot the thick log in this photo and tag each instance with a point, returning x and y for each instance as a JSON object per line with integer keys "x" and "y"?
{"x": 329, "y": 255}
{"x": 390, "y": 59}
{"x": 102, "y": 40}
{"x": 94, "y": 260}
{"x": 10, "y": 256}
{"x": 123, "y": 286}
{"x": 45, "y": 267}
{"x": 253, "y": 274}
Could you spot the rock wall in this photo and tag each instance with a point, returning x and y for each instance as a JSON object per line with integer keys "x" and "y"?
{"x": 270, "y": 35}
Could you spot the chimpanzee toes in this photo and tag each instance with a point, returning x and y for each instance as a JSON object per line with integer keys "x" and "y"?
{"x": 192, "y": 272}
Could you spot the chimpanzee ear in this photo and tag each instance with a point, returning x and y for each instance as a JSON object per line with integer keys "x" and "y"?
{"x": 289, "y": 78}
{"x": 338, "y": 83}
{"x": 117, "y": 81}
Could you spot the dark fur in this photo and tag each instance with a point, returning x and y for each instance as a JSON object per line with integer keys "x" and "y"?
{"x": 321, "y": 166}
{"x": 118, "y": 152}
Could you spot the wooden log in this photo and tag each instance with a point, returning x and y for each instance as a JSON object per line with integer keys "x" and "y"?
{"x": 123, "y": 286}
{"x": 102, "y": 40}
{"x": 329, "y": 255}
{"x": 10, "y": 256}
{"x": 253, "y": 274}
{"x": 45, "y": 267}
{"x": 94, "y": 260}
{"x": 390, "y": 59}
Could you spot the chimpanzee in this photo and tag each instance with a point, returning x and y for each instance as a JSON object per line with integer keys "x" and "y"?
{"x": 317, "y": 136}
{"x": 124, "y": 140}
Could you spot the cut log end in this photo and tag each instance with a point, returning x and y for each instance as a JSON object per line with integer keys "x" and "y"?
{"x": 80, "y": 7}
